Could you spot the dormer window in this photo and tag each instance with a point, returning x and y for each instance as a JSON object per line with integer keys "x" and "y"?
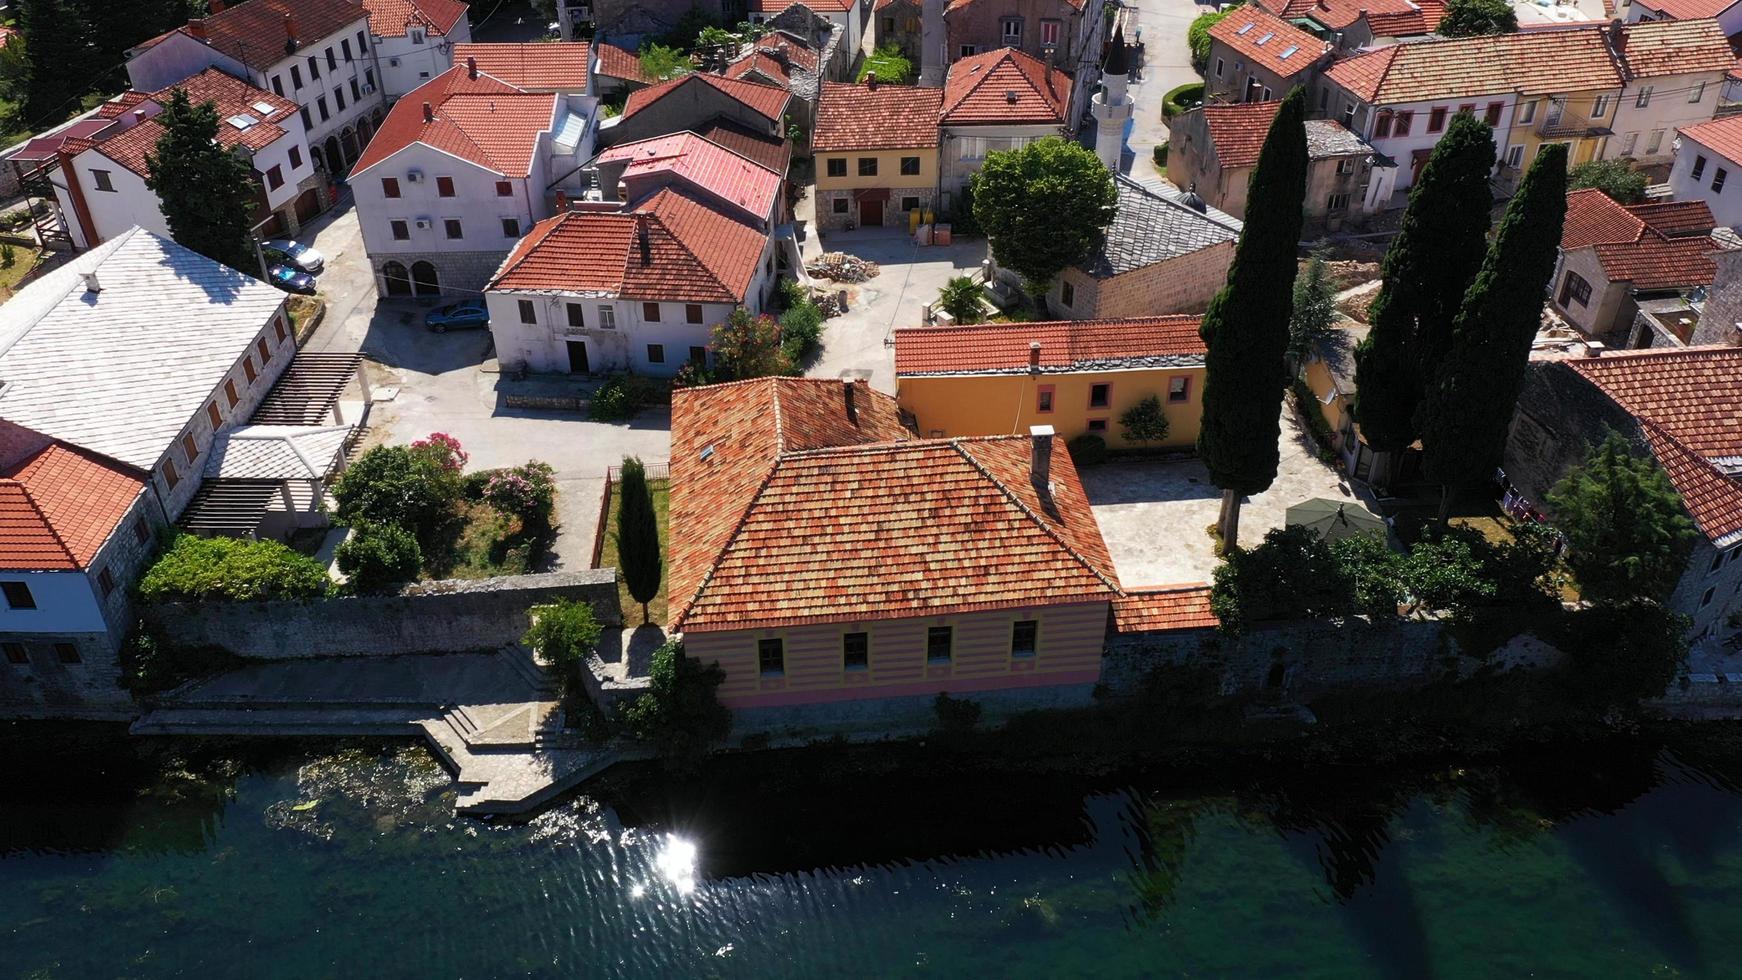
{"x": 416, "y": 35}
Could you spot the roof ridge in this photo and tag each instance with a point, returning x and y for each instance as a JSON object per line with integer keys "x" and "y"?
{"x": 1009, "y": 494}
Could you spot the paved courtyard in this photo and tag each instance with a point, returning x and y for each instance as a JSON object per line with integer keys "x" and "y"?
{"x": 1154, "y": 515}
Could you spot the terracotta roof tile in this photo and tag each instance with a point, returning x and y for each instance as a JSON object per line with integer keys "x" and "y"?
{"x": 765, "y": 100}
{"x": 544, "y": 67}
{"x": 1657, "y": 262}
{"x": 792, "y": 49}
{"x": 1269, "y": 41}
{"x": 786, "y": 510}
{"x": 59, "y": 505}
{"x": 1004, "y": 86}
{"x": 1594, "y": 217}
{"x": 1675, "y": 218}
{"x": 820, "y": 6}
{"x": 1695, "y": 393}
{"x": 1388, "y": 18}
{"x": 1673, "y": 47}
{"x": 761, "y": 63}
{"x": 769, "y": 151}
{"x": 862, "y": 117}
{"x": 1529, "y": 62}
{"x": 483, "y": 120}
{"x": 616, "y": 61}
{"x": 1687, "y": 9}
{"x": 393, "y": 18}
{"x": 1712, "y": 498}
{"x": 255, "y": 32}
{"x": 1164, "y": 608}
{"x": 1721, "y": 136}
{"x": 232, "y": 96}
{"x": 1065, "y": 345}
{"x": 1422, "y": 18}
{"x": 1238, "y": 130}
{"x": 704, "y": 164}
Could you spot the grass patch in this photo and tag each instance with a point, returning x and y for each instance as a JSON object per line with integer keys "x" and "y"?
{"x": 656, "y": 610}
{"x": 482, "y": 543}
{"x": 24, "y": 261}
{"x": 302, "y": 310}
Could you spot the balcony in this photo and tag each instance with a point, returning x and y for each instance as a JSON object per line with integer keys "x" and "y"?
{"x": 1558, "y": 122}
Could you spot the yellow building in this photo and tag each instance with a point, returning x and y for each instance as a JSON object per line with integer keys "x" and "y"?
{"x": 1078, "y": 376}
{"x": 1582, "y": 120}
{"x": 876, "y": 153}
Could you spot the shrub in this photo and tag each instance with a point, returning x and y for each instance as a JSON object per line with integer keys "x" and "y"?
{"x": 232, "y": 568}
{"x": 527, "y": 491}
{"x": 1292, "y": 574}
{"x": 748, "y": 347}
{"x": 960, "y": 298}
{"x": 1616, "y": 178}
{"x": 956, "y": 716}
{"x": 151, "y": 664}
{"x": 1446, "y": 571}
{"x": 565, "y": 632}
{"x": 1622, "y": 652}
{"x": 8, "y": 255}
{"x": 890, "y": 64}
{"x": 661, "y": 62}
{"x": 1375, "y": 569}
{"x": 380, "y": 556}
{"x": 681, "y": 712}
{"x": 1160, "y": 156}
{"x": 1087, "y": 449}
{"x": 444, "y": 449}
{"x": 621, "y": 397}
{"x": 692, "y": 375}
{"x": 415, "y": 487}
{"x": 1188, "y": 96}
{"x": 1313, "y": 415}
{"x": 1198, "y": 37}
{"x": 801, "y": 327}
{"x": 472, "y": 484}
{"x": 1144, "y": 421}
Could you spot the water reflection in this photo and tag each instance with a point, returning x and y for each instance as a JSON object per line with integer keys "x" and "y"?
{"x": 677, "y": 864}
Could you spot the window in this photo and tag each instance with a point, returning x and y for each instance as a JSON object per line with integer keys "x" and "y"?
{"x": 278, "y": 326}
{"x": 1267, "y": 93}
{"x": 265, "y": 351}
{"x": 867, "y": 166}
{"x": 295, "y": 76}
{"x": 650, "y": 312}
{"x": 937, "y": 644}
{"x": 1706, "y": 600}
{"x": 528, "y": 313}
{"x": 771, "y": 657}
{"x": 321, "y": 104}
{"x": 1717, "y": 563}
{"x": 1043, "y": 398}
{"x": 1067, "y": 294}
{"x": 699, "y": 356}
{"x": 504, "y": 189}
{"x": 837, "y": 166}
{"x": 314, "y": 68}
{"x": 1627, "y": 144}
{"x": 17, "y": 595}
{"x": 356, "y": 92}
{"x": 416, "y": 36}
{"x": 910, "y": 203}
{"x": 1698, "y": 93}
{"x": 656, "y": 353}
{"x": 1023, "y": 637}
{"x": 909, "y": 166}
{"x": 102, "y": 179}
{"x": 189, "y": 448}
{"x": 332, "y": 60}
{"x": 1346, "y": 166}
{"x": 307, "y": 122}
{"x": 1492, "y": 118}
{"x": 1718, "y": 180}
{"x": 345, "y": 48}
{"x": 1527, "y": 112}
{"x": 510, "y": 227}
{"x": 1382, "y": 126}
{"x": 855, "y": 651}
{"x": 339, "y": 98}
{"x": 607, "y": 318}
{"x": 277, "y": 86}
{"x": 106, "y": 582}
{"x": 401, "y": 230}
{"x": 1699, "y": 167}
{"x": 213, "y": 415}
{"x": 889, "y": 25}
{"x": 1219, "y": 70}
{"x": 1349, "y": 115}
{"x": 141, "y": 530}
{"x": 1337, "y": 202}
{"x": 248, "y": 368}
{"x": 1574, "y": 289}
{"x": 1097, "y": 425}
{"x": 295, "y": 157}
{"x": 1436, "y": 120}
{"x": 577, "y": 315}
{"x": 1179, "y": 389}
{"x": 1643, "y": 99}
{"x": 369, "y": 77}
{"x": 390, "y": 187}
{"x": 1515, "y": 156}
{"x": 1600, "y": 107}
{"x": 170, "y": 476}
{"x": 362, "y": 48}
{"x": 839, "y": 205}
{"x": 1655, "y": 141}
{"x": 451, "y": 227}
{"x": 1100, "y": 395}
{"x": 66, "y": 653}
{"x": 230, "y": 393}
{"x": 692, "y": 313}
{"x": 1011, "y": 32}
{"x": 967, "y": 51}
{"x": 1049, "y": 32}
{"x": 1404, "y": 121}
{"x": 15, "y": 653}
{"x": 444, "y": 186}
{"x": 275, "y": 177}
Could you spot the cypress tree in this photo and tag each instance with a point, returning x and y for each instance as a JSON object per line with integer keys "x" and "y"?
{"x": 1469, "y": 401}
{"x": 57, "y": 39}
{"x": 1438, "y": 248}
{"x": 1246, "y": 327}
{"x": 638, "y": 535}
{"x": 206, "y": 192}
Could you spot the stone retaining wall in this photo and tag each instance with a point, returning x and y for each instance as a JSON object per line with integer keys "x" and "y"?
{"x": 432, "y": 617}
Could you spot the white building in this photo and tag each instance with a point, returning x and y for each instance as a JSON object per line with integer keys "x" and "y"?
{"x": 460, "y": 170}
{"x": 415, "y": 39}
{"x": 997, "y": 100}
{"x": 1708, "y": 167}
{"x": 1676, "y": 72}
{"x": 100, "y": 185}
{"x": 316, "y": 53}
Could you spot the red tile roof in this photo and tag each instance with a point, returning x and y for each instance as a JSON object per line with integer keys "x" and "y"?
{"x": 1238, "y": 131}
{"x": 820, "y": 6}
{"x": 118, "y": 106}
{"x": 482, "y": 120}
{"x": 232, "y": 96}
{"x": 544, "y": 67}
{"x": 864, "y": 117}
{"x": 59, "y": 505}
{"x": 1675, "y": 218}
{"x": 1594, "y": 217}
{"x": 1422, "y": 17}
{"x": 1656, "y": 262}
{"x": 770, "y": 151}
{"x": 1387, "y": 18}
{"x": 762, "y": 63}
{"x": 1065, "y": 345}
{"x": 796, "y": 53}
{"x": 1721, "y": 136}
{"x": 620, "y": 62}
{"x": 786, "y": 510}
{"x": 1175, "y": 607}
{"x": 695, "y": 253}
{"x": 255, "y": 32}
{"x": 1673, "y": 47}
{"x": 1687, "y": 9}
{"x": 765, "y": 100}
{"x": 1529, "y": 62}
{"x": 1004, "y": 86}
{"x": 1269, "y": 41}
{"x": 706, "y": 165}
{"x": 1652, "y": 246}
{"x": 959, "y": 4}
{"x": 393, "y": 18}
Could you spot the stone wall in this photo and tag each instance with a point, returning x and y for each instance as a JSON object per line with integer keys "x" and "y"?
{"x": 45, "y": 687}
{"x": 432, "y": 617}
{"x": 1185, "y": 284}
{"x": 461, "y": 273}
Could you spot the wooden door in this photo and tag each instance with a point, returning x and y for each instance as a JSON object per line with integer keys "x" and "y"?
{"x": 870, "y": 214}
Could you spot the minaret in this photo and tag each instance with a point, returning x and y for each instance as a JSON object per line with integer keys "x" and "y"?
{"x": 1112, "y": 107}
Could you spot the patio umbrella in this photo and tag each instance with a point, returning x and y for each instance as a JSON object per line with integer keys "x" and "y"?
{"x": 1335, "y": 519}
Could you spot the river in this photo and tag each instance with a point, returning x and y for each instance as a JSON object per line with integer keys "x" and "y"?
{"x": 1617, "y": 857}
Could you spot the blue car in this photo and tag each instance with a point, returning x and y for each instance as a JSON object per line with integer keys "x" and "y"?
{"x": 291, "y": 281}
{"x": 468, "y": 315}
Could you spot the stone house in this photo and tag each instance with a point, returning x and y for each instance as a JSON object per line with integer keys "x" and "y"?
{"x": 1570, "y": 405}
{"x": 851, "y": 16}
{"x": 876, "y": 152}
{"x": 1213, "y": 148}
{"x": 1000, "y": 100}
{"x": 461, "y": 169}
{"x": 1613, "y": 258}
{"x": 1255, "y": 57}
{"x": 1165, "y": 252}
{"x": 784, "y": 60}
{"x": 690, "y": 101}
{"x": 1698, "y": 317}
{"x": 415, "y": 40}
{"x": 899, "y": 25}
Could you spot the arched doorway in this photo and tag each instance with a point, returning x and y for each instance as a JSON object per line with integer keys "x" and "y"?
{"x": 424, "y": 280}
{"x": 335, "y": 159}
{"x": 318, "y": 158}
{"x": 364, "y": 132}
{"x": 377, "y": 115}
{"x": 349, "y": 138}
{"x": 398, "y": 283}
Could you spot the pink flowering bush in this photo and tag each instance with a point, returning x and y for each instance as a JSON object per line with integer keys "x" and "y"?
{"x": 527, "y": 491}
{"x": 444, "y": 450}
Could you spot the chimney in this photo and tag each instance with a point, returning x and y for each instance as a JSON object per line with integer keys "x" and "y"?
{"x": 471, "y": 68}
{"x": 91, "y": 283}
{"x": 289, "y": 26}
{"x": 847, "y": 395}
{"x": 428, "y": 113}
{"x": 1034, "y": 356}
{"x": 562, "y": 201}
{"x": 1040, "y": 472}
{"x": 641, "y": 239}
{"x": 197, "y": 27}
{"x": 871, "y": 79}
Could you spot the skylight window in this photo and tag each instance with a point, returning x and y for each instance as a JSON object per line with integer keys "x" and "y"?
{"x": 1246, "y": 28}
{"x": 263, "y": 108}
{"x": 1291, "y": 49}
{"x": 1263, "y": 40}
{"x": 242, "y": 120}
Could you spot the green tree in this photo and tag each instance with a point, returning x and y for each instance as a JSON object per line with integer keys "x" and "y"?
{"x": 58, "y": 42}
{"x": 1246, "y": 326}
{"x": 661, "y": 62}
{"x": 1375, "y": 569}
{"x": 1475, "y": 18}
{"x": 960, "y": 298}
{"x": 205, "y": 191}
{"x": 891, "y": 65}
{"x": 1616, "y": 178}
{"x": 1315, "y": 310}
{"x": 1144, "y": 421}
{"x": 1625, "y": 526}
{"x": 748, "y": 346}
{"x": 1469, "y": 401}
{"x": 638, "y": 535}
{"x": 1291, "y": 574}
{"x": 1043, "y": 207}
{"x": 1446, "y": 571}
{"x": 195, "y": 568}
{"x": 1438, "y": 248}
{"x": 564, "y": 633}
{"x": 379, "y": 557}
{"x": 681, "y": 712}
{"x": 1198, "y": 34}
{"x": 401, "y": 485}
{"x": 1622, "y": 652}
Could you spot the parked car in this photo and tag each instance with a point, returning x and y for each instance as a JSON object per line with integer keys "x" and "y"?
{"x": 299, "y": 255}
{"x": 465, "y": 315}
{"x": 290, "y": 280}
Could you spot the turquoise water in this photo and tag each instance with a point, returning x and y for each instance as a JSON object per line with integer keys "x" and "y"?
{"x": 1619, "y": 859}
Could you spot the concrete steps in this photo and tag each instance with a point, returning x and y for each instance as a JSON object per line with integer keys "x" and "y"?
{"x": 232, "y": 720}
{"x": 521, "y": 662}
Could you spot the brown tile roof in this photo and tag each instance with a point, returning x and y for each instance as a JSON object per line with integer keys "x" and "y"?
{"x": 1422, "y": 17}
{"x": 820, "y": 6}
{"x": 863, "y": 117}
{"x": 1065, "y": 345}
{"x": 1004, "y": 86}
{"x": 1675, "y": 218}
{"x": 616, "y": 61}
{"x": 761, "y": 63}
{"x": 1529, "y": 63}
{"x": 1687, "y": 9}
{"x": 59, "y": 505}
{"x": 1387, "y": 18}
{"x": 543, "y": 66}
{"x": 255, "y": 32}
{"x": 1721, "y": 136}
{"x": 765, "y": 100}
{"x": 1595, "y": 218}
{"x": 796, "y": 53}
{"x": 393, "y": 18}
{"x": 1656, "y": 262}
{"x": 1673, "y": 47}
{"x": 1268, "y": 41}
{"x": 1238, "y": 130}
{"x": 482, "y": 120}
{"x": 232, "y": 96}
{"x": 785, "y": 510}
{"x": 770, "y": 151}
{"x": 1168, "y": 607}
